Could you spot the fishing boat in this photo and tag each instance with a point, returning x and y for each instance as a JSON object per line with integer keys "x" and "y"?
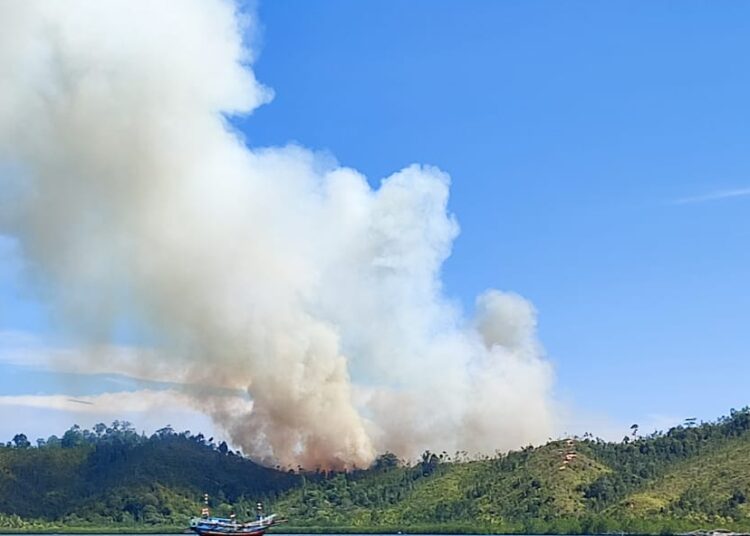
{"x": 206, "y": 525}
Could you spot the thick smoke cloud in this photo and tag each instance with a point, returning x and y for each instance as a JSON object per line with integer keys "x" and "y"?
{"x": 272, "y": 270}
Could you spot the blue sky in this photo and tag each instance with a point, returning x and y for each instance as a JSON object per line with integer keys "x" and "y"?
{"x": 570, "y": 130}
{"x": 598, "y": 153}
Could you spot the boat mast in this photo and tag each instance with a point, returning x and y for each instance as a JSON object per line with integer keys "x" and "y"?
{"x": 205, "y": 512}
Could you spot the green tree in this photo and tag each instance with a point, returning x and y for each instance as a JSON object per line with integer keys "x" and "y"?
{"x": 386, "y": 462}
{"x": 20, "y": 441}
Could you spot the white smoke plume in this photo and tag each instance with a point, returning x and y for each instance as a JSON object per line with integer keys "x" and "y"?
{"x": 271, "y": 270}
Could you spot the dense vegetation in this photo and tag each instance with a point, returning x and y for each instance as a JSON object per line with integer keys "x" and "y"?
{"x": 693, "y": 476}
{"x": 114, "y": 476}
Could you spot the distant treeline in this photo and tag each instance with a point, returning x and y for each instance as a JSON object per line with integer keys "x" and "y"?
{"x": 689, "y": 477}
{"x": 112, "y": 475}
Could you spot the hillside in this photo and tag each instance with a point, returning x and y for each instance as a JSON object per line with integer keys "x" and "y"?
{"x": 713, "y": 485}
{"x": 479, "y": 494}
{"x": 120, "y": 477}
{"x": 691, "y": 477}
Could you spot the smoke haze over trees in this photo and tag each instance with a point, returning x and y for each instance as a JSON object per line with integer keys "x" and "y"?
{"x": 271, "y": 271}
{"x": 692, "y": 476}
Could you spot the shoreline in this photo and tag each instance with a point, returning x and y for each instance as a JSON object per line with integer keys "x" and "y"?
{"x": 455, "y": 530}
{"x": 323, "y": 530}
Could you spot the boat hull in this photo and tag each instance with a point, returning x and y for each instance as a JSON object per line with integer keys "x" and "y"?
{"x": 229, "y": 532}
{"x": 225, "y": 527}
{"x": 217, "y": 526}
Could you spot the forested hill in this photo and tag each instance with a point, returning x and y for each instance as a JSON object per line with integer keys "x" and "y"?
{"x": 115, "y": 476}
{"x": 691, "y": 477}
